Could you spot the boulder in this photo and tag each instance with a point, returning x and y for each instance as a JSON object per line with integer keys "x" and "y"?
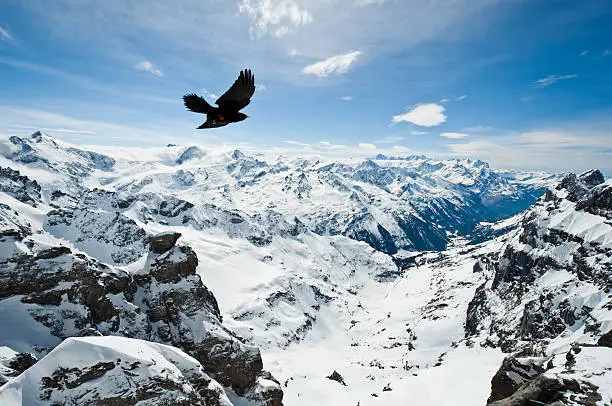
{"x": 163, "y": 242}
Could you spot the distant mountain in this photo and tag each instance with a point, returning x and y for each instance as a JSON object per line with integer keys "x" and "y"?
{"x": 393, "y": 204}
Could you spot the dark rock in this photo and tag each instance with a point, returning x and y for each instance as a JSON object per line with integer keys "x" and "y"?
{"x": 20, "y": 187}
{"x": 511, "y": 375}
{"x": 592, "y": 178}
{"x": 53, "y": 252}
{"x": 22, "y": 361}
{"x": 477, "y": 311}
{"x": 163, "y": 242}
{"x": 335, "y": 376}
{"x": 598, "y": 202}
{"x": 174, "y": 265}
{"x": 605, "y": 340}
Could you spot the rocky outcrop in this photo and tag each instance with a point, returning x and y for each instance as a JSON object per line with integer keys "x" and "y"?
{"x": 20, "y": 187}
{"x": 559, "y": 256}
{"x": 335, "y": 376}
{"x": 605, "y": 340}
{"x": 562, "y": 379}
{"x": 165, "y": 302}
{"x": 109, "y": 235}
{"x": 163, "y": 242}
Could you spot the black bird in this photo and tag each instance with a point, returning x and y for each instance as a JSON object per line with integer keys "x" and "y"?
{"x": 230, "y": 103}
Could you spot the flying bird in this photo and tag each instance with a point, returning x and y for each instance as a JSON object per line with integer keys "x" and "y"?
{"x": 230, "y": 103}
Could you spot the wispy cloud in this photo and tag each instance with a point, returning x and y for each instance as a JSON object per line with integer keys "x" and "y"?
{"x": 552, "y": 79}
{"x": 583, "y": 53}
{"x": 147, "y": 66}
{"x": 82, "y": 81}
{"x": 416, "y": 132}
{"x": 526, "y": 99}
{"x": 462, "y": 97}
{"x": 220, "y": 32}
{"x": 347, "y": 98}
{"x": 392, "y": 139}
{"x": 274, "y": 17}
{"x": 335, "y": 65}
{"x": 606, "y": 52}
{"x": 570, "y": 148}
{"x": 5, "y": 35}
{"x": 23, "y": 121}
{"x": 479, "y": 129}
{"x": 367, "y": 146}
{"x": 445, "y": 100}
{"x": 454, "y": 135}
{"x": 212, "y": 96}
{"x": 425, "y": 115}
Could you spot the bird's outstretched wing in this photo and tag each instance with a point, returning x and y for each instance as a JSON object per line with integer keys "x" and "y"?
{"x": 239, "y": 95}
{"x": 197, "y": 104}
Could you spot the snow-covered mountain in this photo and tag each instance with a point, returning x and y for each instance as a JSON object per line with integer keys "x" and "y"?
{"x": 352, "y": 282}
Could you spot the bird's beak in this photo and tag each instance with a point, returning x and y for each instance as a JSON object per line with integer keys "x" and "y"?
{"x": 248, "y": 116}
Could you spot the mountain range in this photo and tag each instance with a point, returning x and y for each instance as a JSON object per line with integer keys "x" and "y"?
{"x": 210, "y": 276}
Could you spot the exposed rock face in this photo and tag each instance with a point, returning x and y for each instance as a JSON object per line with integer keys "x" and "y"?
{"x": 166, "y": 302}
{"x": 161, "y": 243}
{"x": 121, "y": 239}
{"x": 20, "y": 187}
{"x": 559, "y": 236}
{"x": 12, "y": 364}
{"x": 548, "y": 381}
{"x": 605, "y": 340}
{"x": 335, "y": 376}
{"x": 551, "y": 278}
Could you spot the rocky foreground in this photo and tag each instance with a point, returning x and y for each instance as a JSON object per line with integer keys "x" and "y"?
{"x": 66, "y": 295}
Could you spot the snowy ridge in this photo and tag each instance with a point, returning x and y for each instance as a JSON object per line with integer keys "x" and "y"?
{"x": 103, "y": 370}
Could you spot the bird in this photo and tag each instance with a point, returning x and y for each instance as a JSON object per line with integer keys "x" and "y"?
{"x": 237, "y": 97}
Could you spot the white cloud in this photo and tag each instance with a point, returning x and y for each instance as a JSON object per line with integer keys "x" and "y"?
{"x": 583, "y": 53}
{"x": 261, "y": 87}
{"x": 23, "y": 121}
{"x": 568, "y": 149}
{"x": 368, "y": 2}
{"x": 463, "y": 97}
{"x": 479, "y": 129}
{"x": 336, "y": 64}
{"x": 147, "y": 66}
{"x": 526, "y": 99}
{"x": 347, "y": 98}
{"x": 212, "y": 96}
{"x": 219, "y": 31}
{"x": 425, "y": 115}
{"x": 274, "y": 17}
{"x": 325, "y": 143}
{"x": 416, "y": 132}
{"x": 366, "y": 145}
{"x": 552, "y": 79}
{"x": 5, "y": 35}
{"x": 454, "y": 135}
{"x": 606, "y": 52}
{"x": 445, "y": 100}
{"x": 392, "y": 139}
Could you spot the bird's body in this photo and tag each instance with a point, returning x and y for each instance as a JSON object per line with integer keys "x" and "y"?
{"x": 230, "y": 103}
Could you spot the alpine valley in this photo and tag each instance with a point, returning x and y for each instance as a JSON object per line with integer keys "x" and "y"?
{"x": 190, "y": 275}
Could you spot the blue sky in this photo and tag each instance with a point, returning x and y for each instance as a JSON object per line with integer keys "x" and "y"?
{"x": 518, "y": 83}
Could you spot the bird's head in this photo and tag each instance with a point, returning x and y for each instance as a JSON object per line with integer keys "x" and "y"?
{"x": 241, "y": 117}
